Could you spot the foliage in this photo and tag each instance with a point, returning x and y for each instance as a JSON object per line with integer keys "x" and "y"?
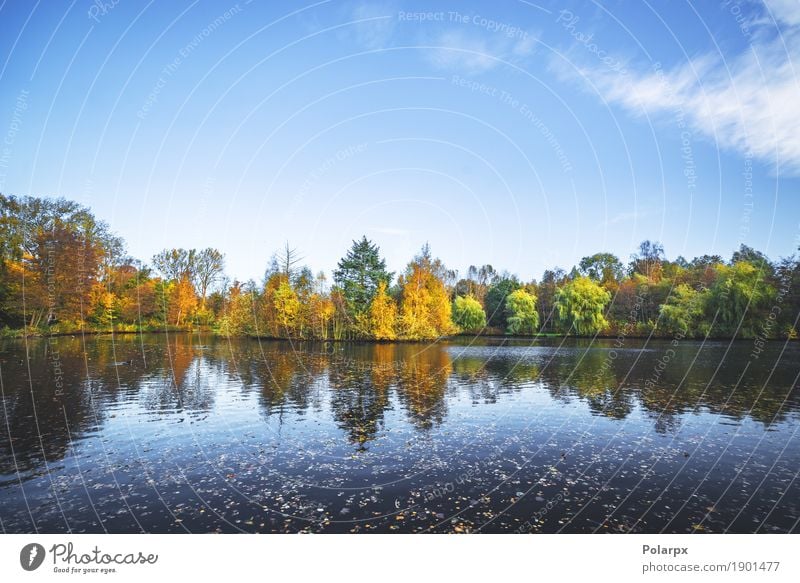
{"x": 496, "y": 300}
{"x": 468, "y": 314}
{"x": 238, "y": 318}
{"x": 359, "y": 274}
{"x": 62, "y": 270}
{"x": 603, "y": 267}
{"x": 425, "y": 311}
{"x": 521, "y": 313}
{"x": 648, "y": 261}
{"x": 287, "y": 307}
{"x": 383, "y": 315}
{"x": 738, "y": 299}
{"x": 580, "y": 305}
{"x": 682, "y": 312}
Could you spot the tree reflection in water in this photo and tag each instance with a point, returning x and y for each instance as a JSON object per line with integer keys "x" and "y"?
{"x": 399, "y": 403}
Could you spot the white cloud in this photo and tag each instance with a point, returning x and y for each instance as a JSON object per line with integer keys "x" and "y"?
{"x": 747, "y": 103}
{"x": 787, "y": 11}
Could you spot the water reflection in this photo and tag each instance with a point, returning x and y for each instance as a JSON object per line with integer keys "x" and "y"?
{"x": 180, "y": 374}
{"x": 336, "y": 398}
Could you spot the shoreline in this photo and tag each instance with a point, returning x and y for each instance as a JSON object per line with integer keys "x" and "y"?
{"x": 19, "y": 335}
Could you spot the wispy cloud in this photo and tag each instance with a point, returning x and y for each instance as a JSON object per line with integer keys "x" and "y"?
{"x": 374, "y": 24}
{"x": 787, "y": 11}
{"x": 476, "y": 52}
{"x": 747, "y": 103}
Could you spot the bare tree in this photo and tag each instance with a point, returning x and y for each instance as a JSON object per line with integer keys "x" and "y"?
{"x": 288, "y": 260}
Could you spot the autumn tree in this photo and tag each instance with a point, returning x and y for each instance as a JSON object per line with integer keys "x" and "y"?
{"x": 239, "y": 313}
{"x": 182, "y": 301}
{"x": 59, "y": 250}
{"x": 425, "y": 311}
{"x": 287, "y": 308}
{"x": 383, "y": 315}
{"x": 61, "y": 269}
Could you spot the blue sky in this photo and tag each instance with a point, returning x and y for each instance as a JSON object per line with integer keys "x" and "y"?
{"x": 521, "y": 134}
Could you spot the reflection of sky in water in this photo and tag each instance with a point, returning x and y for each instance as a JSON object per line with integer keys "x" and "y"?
{"x": 212, "y": 435}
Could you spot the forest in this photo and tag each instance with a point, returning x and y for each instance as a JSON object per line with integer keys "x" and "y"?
{"x": 63, "y": 271}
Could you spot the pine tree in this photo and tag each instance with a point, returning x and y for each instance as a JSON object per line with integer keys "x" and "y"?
{"x": 359, "y": 275}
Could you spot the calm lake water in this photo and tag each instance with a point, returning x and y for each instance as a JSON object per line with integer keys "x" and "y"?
{"x": 198, "y": 434}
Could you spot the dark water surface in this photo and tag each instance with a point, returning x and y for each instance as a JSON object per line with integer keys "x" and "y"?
{"x": 187, "y": 433}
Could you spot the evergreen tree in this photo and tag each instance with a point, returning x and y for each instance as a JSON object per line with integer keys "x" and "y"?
{"x": 359, "y": 275}
{"x": 496, "y": 300}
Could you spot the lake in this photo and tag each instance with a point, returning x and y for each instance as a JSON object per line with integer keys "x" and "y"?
{"x": 186, "y": 433}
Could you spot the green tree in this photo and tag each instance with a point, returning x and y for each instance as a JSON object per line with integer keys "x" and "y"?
{"x": 788, "y": 280}
{"x": 757, "y": 258}
{"x": 738, "y": 299}
{"x": 580, "y": 305}
{"x": 602, "y": 267}
{"x": 551, "y": 280}
{"x": 468, "y": 314}
{"x": 359, "y": 274}
{"x": 496, "y": 300}
{"x": 521, "y": 313}
{"x": 681, "y": 313}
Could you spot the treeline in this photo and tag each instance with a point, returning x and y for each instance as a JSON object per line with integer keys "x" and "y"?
{"x": 62, "y": 270}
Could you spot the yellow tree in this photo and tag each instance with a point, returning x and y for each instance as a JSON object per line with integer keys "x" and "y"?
{"x": 287, "y": 307}
{"x": 183, "y": 301}
{"x": 321, "y": 311}
{"x": 426, "y": 309}
{"x": 238, "y": 315}
{"x": 383, "y": 315}
{"x": 104, "y": 304}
